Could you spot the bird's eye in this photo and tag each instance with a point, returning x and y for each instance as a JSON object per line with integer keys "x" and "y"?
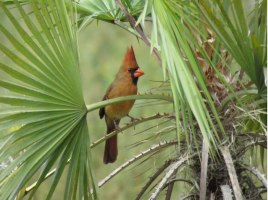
{"x": 129, "y": 70}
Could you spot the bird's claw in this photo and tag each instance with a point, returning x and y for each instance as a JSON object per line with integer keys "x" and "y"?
{"x": 132, "y": 120}
{"x": 118, "y": 128}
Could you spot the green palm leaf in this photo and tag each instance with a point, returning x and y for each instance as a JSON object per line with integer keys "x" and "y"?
{"x": 245, "y": 44}
{"x": 46, "y": 101}
{"x": 183, "y": 85}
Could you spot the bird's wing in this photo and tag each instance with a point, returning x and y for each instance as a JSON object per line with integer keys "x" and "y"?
{"x": 102, "y": 110}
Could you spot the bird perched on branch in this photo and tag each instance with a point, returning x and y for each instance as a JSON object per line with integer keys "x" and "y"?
{"x": 124, "y": 84}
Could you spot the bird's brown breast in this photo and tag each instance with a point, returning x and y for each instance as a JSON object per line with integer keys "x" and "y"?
{"x": 121, "y": 109}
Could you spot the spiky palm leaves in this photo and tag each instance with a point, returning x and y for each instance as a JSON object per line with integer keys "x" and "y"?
{"x": 229, "y": 87}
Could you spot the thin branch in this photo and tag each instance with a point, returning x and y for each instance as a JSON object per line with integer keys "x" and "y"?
{"x": 152, "y": 178}
{"x": 31, "y": 187}
{"x": 242, "y": 151}
{"x": 151, "y": 156}
{"x": 127, "y": 28}
{"x": 119, "y": 169}
{"x": 262, "y": 190}
{"x": 134, "y": 159}
{"x": 231, "y": 170}
{"x": 188, "y": 196}
{"x": 258, "y": 174}
{"x": 166, "y": 178}
{"x": 170, "y": 186}
{"x": 165, "y": 158}
{"x": 179, "y": 179}
{"x": 204, "y": 167}
{"x": 226, "y": 192}
{"x": 228, "y": 99}
{"x": 138, "y": 121}
{"x": 169, "y": 190}
{"x": 258, "y": 135}
{"x": 263, "y": 144}
{"x": 133, "y": 22}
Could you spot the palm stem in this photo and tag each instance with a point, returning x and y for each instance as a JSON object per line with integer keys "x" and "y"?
{"x": 133, "y": 22}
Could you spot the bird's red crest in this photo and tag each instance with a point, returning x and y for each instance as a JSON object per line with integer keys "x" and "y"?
{"x": 129, "y": 56}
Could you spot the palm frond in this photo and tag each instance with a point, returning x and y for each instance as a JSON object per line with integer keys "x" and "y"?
{"x": 47, "y": 102}
{"x": 229, "y": 163}
{"x": 169, "y": 174}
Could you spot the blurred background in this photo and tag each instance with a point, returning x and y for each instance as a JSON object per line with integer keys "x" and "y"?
{"x": 102, "y": 49}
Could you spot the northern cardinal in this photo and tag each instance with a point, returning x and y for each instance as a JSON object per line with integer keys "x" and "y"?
{"x": 124, "y": 84}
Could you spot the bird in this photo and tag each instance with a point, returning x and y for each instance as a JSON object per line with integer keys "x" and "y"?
{"x": 124, "y": 84}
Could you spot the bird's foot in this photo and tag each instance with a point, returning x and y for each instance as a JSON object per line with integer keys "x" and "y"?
{"x": 117, "y": 127}
{"x": 132, "y": 120}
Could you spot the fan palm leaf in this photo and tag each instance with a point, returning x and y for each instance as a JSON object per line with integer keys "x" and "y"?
{"x": 47, "y": 102}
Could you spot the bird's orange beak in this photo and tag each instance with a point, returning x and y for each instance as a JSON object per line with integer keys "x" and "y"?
{"x": 138, "y": 73}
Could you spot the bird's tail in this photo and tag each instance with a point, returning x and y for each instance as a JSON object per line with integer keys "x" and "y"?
{"x": 110, "y": 151}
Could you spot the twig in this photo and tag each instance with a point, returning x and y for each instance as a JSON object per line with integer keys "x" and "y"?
{"x": 166, "y": 178}
{"x": 155, "y": 116}
{"x": 243, "y": 150}
{"x": 179, "y": 179}
{"x": 133, "y": 22}
{"x": 125, "y": 27}
{"x": 134, "y": 159}
{"x": 258, "y": 135}
{"x": 152, "y": 178}
{"x": 31, "y": 187}
{"x": 170, "y": 186}
{"x": 204, "y": 166}
{"x": 231, "y": 170}
{"x": 258, "y": 174}
{"x": 263, "y": 144}
{"x": 169, "y": 190}
{"x": 188, "y": 196}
